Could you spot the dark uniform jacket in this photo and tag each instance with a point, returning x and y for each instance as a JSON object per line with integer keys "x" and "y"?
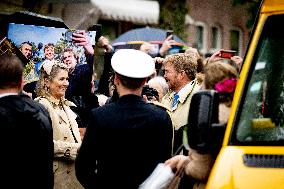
{"x": 124, "y": 142}
{"x": 26, "y": 144}
{"x": 79, "y": 91}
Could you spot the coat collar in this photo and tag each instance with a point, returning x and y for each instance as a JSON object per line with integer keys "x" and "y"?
{"x": 184, "y": 92}
{"x": 62, "y": 101}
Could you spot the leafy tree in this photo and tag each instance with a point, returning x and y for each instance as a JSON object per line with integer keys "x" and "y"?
{"x": 253, "y": 6}
{"x": 172, "y": 16}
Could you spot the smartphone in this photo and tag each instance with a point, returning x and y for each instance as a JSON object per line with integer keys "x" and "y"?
{"x": 98, "y": 29}
{"x": 169, "y": 32}
{"x": 92, "y": 37}
{"x": 227, "y": 53}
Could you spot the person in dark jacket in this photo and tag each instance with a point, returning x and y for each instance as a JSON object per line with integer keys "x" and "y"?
{"x": 81, "y": 76}
{"x": 126, "y": 139}
{"x": 27, "y": 144}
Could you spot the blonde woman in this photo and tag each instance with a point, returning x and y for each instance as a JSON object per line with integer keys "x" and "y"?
{"x": 66, "y": 136}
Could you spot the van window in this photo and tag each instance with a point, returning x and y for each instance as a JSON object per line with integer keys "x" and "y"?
{"x": 260, "y": 119}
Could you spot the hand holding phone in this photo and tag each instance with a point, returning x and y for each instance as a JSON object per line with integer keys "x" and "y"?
{"x": 98, "y": 29}
{"x": 227, "y": 54}
{"x": 170, "y": 32}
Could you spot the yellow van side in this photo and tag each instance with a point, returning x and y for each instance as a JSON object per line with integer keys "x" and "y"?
{"x": 252, "y": 154}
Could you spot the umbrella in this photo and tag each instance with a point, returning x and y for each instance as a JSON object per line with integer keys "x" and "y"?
{"x": 145, "y": 34}
{"x": 134, "y": 38}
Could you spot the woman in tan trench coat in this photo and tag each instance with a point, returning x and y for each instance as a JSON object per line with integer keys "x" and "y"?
{"x": 66, "y": 136}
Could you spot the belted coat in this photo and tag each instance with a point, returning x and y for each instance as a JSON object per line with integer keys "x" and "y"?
{"x": 67, "y": 140}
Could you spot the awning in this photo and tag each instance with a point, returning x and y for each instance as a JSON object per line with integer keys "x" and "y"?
{"x": 136, "y": 11}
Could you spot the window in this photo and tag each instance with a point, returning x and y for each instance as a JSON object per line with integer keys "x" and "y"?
{"x": 201, "y": 37}
{"x": 236, "y": 40}
{"x": 216, "y": 38}
{"x": 260, "y": 120}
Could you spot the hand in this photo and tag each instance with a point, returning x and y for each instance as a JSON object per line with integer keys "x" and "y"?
{"x": 238, "y": 60}
{"x": 177, "y": 162}
{"x": 159, "y": 60}
{"x": 216, "y": 56}
{"x": 146, "y": 47}
{"x": 145, "y": 98}
{"x": 103, "y": 42}
{"x": 167, "y": 44}
{"x": 80, "y": 38}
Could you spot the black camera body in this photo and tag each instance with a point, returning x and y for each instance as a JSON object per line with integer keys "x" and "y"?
{"x": 150, "y": 93}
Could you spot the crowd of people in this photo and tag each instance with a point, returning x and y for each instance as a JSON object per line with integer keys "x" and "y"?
{"x": 70, "y": 138}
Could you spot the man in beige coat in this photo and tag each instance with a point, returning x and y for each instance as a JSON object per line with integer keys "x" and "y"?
{"x": 180, "y": 71}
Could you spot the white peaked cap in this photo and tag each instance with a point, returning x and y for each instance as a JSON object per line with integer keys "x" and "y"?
{"x": 132, "y": 63}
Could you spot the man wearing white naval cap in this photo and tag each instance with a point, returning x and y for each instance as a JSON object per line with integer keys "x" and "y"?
{"x": 125, "y": 140}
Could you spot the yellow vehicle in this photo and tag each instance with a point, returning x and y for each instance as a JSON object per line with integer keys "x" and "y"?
{"x": 252, "y": 148}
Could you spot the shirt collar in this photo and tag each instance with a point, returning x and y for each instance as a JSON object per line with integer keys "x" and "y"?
{"x": 187, "y": 89}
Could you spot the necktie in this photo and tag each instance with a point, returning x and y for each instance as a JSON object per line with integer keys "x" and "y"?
{"x": 175, "y": 101}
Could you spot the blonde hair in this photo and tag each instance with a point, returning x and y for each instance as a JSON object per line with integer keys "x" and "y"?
{"x": 218, "y": 71}
{"x": 183, "y": 62}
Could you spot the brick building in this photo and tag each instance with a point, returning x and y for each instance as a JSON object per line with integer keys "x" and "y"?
{"x": 217, "y": 24}
{"x": 211, "y": 24}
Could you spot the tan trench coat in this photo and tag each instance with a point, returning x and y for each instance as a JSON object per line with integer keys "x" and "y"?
{"x": 65, "y": 144}
{"x": 179, "y": 114}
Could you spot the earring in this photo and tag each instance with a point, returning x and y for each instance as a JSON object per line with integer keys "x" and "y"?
{"x": 46, "y": 88}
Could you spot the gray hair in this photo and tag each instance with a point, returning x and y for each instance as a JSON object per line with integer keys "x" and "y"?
{"x": 160, "y": 81}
